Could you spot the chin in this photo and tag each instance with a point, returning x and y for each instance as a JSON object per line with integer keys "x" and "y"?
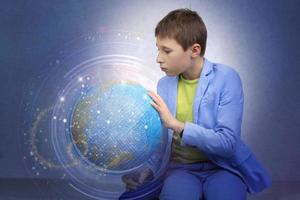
{"x": 171, "y": 74}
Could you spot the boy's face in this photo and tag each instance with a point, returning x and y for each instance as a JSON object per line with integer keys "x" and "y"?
{"x": 172, "y": 58}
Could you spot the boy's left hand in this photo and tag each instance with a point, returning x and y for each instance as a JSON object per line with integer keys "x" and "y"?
{"x": 166, "y": 116}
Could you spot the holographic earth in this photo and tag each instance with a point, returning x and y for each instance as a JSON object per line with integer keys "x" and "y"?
{"x": 88, "y": 119}
{"x": 115, "y": 127}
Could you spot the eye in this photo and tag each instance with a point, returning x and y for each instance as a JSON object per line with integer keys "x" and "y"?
{"x": 166, "y": 51}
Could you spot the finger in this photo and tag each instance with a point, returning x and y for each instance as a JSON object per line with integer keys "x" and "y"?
{"x": 159, "y": 98}
{"x": 130, "y": 182}
{"x": 155, "y": 106}
{"x": 154, "y": 97}
{"x": 129, "y": 188}
{"x": 145, "y": 175}
{"x": 124, "y": 178}
{"x": 161, "y": 101}
{"x": 151, "y": 91}
{"x": 142, "y": 178}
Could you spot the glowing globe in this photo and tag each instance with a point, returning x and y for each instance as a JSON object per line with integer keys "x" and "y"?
{"x": 114, "y": 127}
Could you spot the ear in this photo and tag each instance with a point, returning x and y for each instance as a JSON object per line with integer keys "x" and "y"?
{"x": 196, "y": 50}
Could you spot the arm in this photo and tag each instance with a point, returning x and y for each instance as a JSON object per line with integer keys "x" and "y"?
{"x": 220, "y": 140}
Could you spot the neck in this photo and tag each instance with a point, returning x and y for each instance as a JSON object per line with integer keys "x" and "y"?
{"x": 195, "y": 70}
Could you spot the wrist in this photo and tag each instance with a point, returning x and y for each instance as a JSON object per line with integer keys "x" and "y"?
{"x": 178, "y": 126}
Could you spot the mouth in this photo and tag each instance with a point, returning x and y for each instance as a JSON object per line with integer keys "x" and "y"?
{"x": 163, "y": 69}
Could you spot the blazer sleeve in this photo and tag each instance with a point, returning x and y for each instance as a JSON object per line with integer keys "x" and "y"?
{"x": 220, "y": 140}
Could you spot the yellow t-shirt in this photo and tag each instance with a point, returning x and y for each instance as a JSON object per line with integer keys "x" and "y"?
{"x": 184, "y": 113}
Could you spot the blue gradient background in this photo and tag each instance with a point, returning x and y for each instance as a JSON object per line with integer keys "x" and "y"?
{"x": 260, "y": 39}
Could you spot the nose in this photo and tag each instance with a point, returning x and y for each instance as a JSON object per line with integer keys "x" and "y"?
{"x": 159, "y": 59}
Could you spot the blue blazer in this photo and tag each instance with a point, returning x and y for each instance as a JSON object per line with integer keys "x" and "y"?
{"x": 216, "y": 129}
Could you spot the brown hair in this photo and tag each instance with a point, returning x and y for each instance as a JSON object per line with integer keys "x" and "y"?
{"x": 185, "y": 26}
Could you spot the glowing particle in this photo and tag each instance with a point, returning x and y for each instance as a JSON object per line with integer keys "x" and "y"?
{"x": 62, "y": 99}
{"x": 37, "y": 173}
{"x": 31, "y": 153}
{"x": 80, "y": 79}
{"x": 138, "y": 38}
{"x": 146, "y": 126}
{"x": 65, "y": 120}
{"x": 107, "y": 121}
{"x": 54, "y": 117}
{"x": 82, "y": 85}
{"x": 98, "y": 111}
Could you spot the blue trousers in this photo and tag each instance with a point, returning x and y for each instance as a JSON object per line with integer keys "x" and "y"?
{"x": 201, "y": 181}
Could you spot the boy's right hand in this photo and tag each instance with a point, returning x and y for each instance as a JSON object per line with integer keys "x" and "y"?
{"x": 133, "y": 181}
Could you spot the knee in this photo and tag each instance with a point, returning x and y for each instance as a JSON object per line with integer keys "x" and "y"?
{"x": 224, "y": 184}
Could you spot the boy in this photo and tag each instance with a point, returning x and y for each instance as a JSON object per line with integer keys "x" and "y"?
{"x": 201, "y": 105}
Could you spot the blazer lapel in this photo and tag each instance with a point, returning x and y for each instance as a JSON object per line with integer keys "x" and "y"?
{"x": 201, "y": 88}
